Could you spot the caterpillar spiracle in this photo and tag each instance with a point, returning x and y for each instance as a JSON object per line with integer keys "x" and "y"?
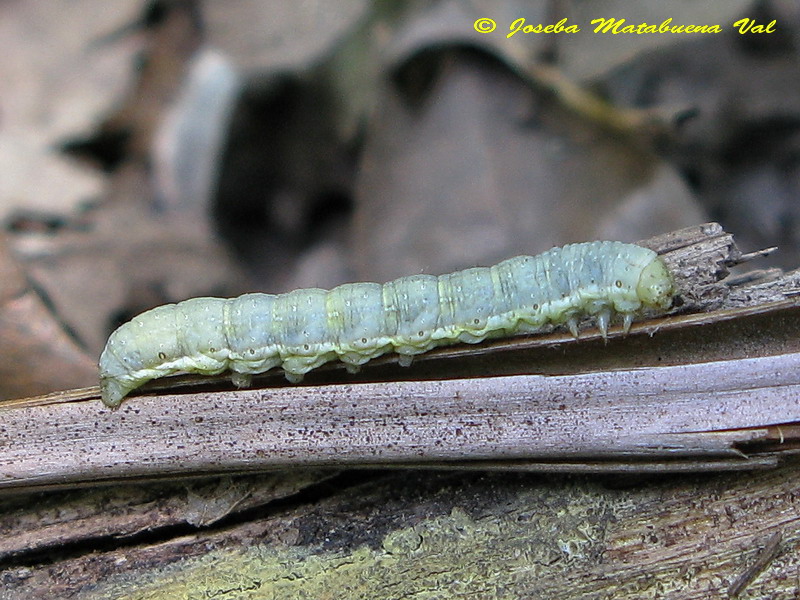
{"x": 356, "y": 322}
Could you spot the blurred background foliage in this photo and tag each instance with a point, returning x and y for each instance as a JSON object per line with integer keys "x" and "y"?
{"x": 153, "y": 150}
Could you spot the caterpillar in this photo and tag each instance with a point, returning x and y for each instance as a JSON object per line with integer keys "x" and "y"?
{"x": 356, "y": 322}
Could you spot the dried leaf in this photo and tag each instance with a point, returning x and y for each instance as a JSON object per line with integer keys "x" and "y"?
{"x": 36, "y": 354}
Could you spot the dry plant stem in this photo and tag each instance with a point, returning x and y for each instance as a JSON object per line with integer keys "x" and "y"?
{"x": 763, "y": 559}
{"x": 695, "y": 412}
{"x": 616, "y": 409}
{"x": 593, "y": 108}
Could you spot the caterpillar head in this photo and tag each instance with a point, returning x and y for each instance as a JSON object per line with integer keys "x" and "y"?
{"x": 656, "y": 287}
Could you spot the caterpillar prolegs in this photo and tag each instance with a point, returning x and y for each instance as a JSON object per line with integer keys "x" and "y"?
{"x": 356, "y": 322}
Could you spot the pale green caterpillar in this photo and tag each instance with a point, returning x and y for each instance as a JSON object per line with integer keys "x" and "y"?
{"x": 357, "y": 322}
